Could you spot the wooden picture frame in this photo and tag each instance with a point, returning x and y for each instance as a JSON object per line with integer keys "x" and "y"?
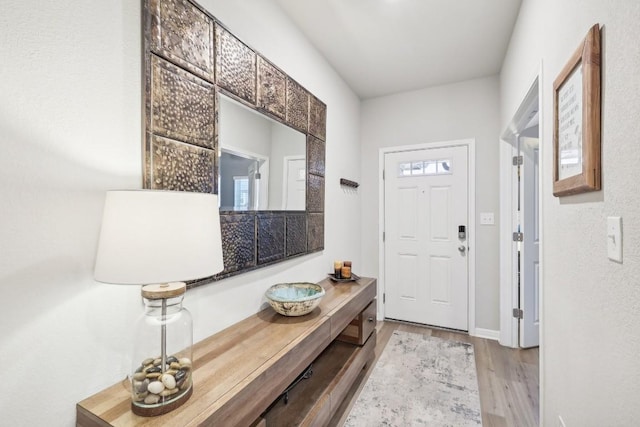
{"x": 576, "y": 120}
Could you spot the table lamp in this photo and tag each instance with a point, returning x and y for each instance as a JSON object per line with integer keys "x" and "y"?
{"x": 159, "y": 239}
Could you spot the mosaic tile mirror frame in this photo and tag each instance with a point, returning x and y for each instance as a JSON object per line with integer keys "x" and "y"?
{"x": 190, "y": 58}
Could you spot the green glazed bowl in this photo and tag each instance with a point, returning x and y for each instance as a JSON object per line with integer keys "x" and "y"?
{"x": 294, "y": 299}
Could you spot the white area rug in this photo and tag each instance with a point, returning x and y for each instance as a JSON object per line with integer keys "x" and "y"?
{"x": 420, "y": 381}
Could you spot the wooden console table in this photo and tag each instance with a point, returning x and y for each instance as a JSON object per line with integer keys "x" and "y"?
{"x": 241, "y": 372}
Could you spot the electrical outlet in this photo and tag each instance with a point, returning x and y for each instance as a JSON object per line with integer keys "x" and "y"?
{"x": 486, "y": 218}
{"x": 561, "y": 422}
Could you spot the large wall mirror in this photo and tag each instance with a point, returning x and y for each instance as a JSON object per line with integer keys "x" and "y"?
{"x": 220, "y": 118}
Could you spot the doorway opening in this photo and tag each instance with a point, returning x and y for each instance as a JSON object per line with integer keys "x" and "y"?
{"x": 520, "y": 234}
{"x": 243, "y": 180}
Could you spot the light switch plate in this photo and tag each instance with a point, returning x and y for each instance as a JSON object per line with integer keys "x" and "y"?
{"x": 486, "y": 218}
{"x": 614, "y": 238}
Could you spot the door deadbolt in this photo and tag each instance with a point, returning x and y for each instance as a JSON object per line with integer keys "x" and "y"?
{"x": 462, "y": 232}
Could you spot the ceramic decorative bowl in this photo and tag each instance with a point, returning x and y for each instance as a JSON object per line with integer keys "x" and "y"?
{"x": 294, "y": 299}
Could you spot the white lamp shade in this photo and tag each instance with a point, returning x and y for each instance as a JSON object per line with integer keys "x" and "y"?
{"x": 152, "y": 236}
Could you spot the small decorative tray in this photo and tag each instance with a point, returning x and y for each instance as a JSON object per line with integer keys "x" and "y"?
{"x": 353, "y": 278}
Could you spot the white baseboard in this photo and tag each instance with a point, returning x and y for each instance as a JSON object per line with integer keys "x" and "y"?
{"x": 489, "y": 334}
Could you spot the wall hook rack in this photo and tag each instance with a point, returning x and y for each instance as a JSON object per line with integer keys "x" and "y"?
{"x": 349, "y": 183}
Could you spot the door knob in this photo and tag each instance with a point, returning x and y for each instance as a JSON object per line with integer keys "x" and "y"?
{"x": 462, "y": 248}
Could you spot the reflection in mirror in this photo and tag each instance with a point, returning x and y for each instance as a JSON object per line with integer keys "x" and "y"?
{"x": 262, "y": 162}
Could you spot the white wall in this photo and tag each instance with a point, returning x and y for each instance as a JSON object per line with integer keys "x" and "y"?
{"x": 242, "y": 129}
{"x": 590, "y": 305}
{"x": 456, "y": 111}
{"x": 70, "y": 129}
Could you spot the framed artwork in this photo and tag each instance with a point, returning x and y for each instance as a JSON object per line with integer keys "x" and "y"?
{"x": 576, "y": 120}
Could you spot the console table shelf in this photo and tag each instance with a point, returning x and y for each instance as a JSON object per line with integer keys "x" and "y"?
{"x": 240, "y": 371}
{"x": 315, "y": 400}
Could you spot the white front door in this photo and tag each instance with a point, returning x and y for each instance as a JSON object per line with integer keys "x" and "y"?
{"x": 426, "y": 263}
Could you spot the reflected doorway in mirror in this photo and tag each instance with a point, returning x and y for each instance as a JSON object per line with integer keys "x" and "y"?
{"x": 294, "y": 188}
{"x": 257, "y": 147}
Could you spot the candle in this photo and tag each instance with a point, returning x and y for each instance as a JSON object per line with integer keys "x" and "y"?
{"x": 337, "y": 268}
{"x": 345, "y": 271}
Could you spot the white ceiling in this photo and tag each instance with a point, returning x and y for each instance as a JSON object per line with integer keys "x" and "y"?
{"x": 381, "y": 47}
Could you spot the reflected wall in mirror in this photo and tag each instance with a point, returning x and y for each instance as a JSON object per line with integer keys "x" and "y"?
{"x": 262, "y": 162}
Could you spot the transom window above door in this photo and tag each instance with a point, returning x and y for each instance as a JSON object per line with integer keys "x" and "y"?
{"x": 424, "y": 167}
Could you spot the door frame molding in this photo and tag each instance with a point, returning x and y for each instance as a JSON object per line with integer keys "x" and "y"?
{"x": 470, "y": 143}
{"x": 509, "y": 295}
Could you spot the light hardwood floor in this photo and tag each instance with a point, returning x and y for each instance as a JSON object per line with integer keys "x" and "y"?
{"x": 507, "y": 378}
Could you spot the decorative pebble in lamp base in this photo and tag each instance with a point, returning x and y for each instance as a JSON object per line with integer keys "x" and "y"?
{"x": 156, "y": 391}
